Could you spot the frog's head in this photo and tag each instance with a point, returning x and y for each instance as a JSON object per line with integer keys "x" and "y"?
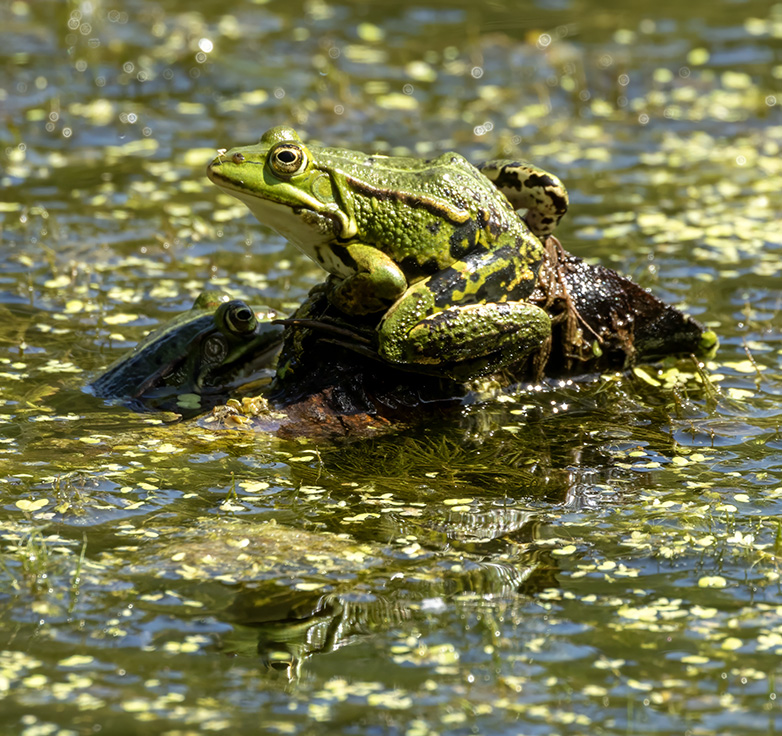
{"x": 203, "y": 353}
{"x": 288, "y": 186}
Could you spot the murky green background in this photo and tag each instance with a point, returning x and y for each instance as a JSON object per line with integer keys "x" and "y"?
{"x": 597, "y": 557}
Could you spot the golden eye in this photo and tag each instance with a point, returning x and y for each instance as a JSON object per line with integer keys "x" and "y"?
{"x": 287, "y": 159}
{"x": 238, "y": 158}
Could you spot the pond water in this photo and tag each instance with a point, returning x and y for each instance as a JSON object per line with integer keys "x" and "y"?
{"x": 594, "y": 557}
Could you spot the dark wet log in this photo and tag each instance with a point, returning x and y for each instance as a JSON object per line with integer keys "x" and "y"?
{"x": 604, "y": 321}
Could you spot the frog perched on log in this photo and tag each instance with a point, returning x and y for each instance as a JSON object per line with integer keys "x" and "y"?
{"x": 434, "y": 246}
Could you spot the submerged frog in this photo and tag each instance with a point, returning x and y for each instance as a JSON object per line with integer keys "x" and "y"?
{"x": 434, "y": 246}
{"x": 207, "y": 351}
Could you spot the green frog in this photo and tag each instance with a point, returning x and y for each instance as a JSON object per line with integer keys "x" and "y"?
{"x": 434, "y": 246}
{"x": 214, "y": 347}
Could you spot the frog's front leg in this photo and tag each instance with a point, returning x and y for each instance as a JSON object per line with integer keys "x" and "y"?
{"x": 528, "y": 187}
{"x": 377, "y": 282}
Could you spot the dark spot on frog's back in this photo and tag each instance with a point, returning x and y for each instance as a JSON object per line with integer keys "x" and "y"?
{"x": 508, "y": 177}
{"x": 464, "y": 239}
{"x": 434, "y": 227}
{"x": 444, "y": 284}
{"x": 535, "y": 181}
{"x": 415, "y": 270}
{"x": 496, "y": 282}
{"x": 541, "y": 181}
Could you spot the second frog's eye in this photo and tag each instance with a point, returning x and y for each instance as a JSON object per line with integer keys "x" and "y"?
{"x": 236, "y": 318}
{"x": 287, "y": 159}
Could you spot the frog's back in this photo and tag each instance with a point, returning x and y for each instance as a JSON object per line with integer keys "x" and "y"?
{"x": 445, "y": 176}
{"x": 424, "y": 213}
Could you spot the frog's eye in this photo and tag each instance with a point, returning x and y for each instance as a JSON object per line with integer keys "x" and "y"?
{"x": 236, "y": 318}
{"x": 287, "y": 159}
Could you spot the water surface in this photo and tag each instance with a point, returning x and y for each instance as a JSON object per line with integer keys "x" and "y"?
{"x": 593, "y": 557}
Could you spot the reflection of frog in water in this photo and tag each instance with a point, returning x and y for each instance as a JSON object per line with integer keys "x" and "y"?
{"x": 434, "y": 247}
{"x": 290, "y": 593}
{"x": 213, "y": 348}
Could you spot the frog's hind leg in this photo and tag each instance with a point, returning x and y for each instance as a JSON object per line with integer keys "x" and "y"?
{"x": 510, "y": 330}
{"x": 473, "y": 308}
{"x": 529, "y": 187}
